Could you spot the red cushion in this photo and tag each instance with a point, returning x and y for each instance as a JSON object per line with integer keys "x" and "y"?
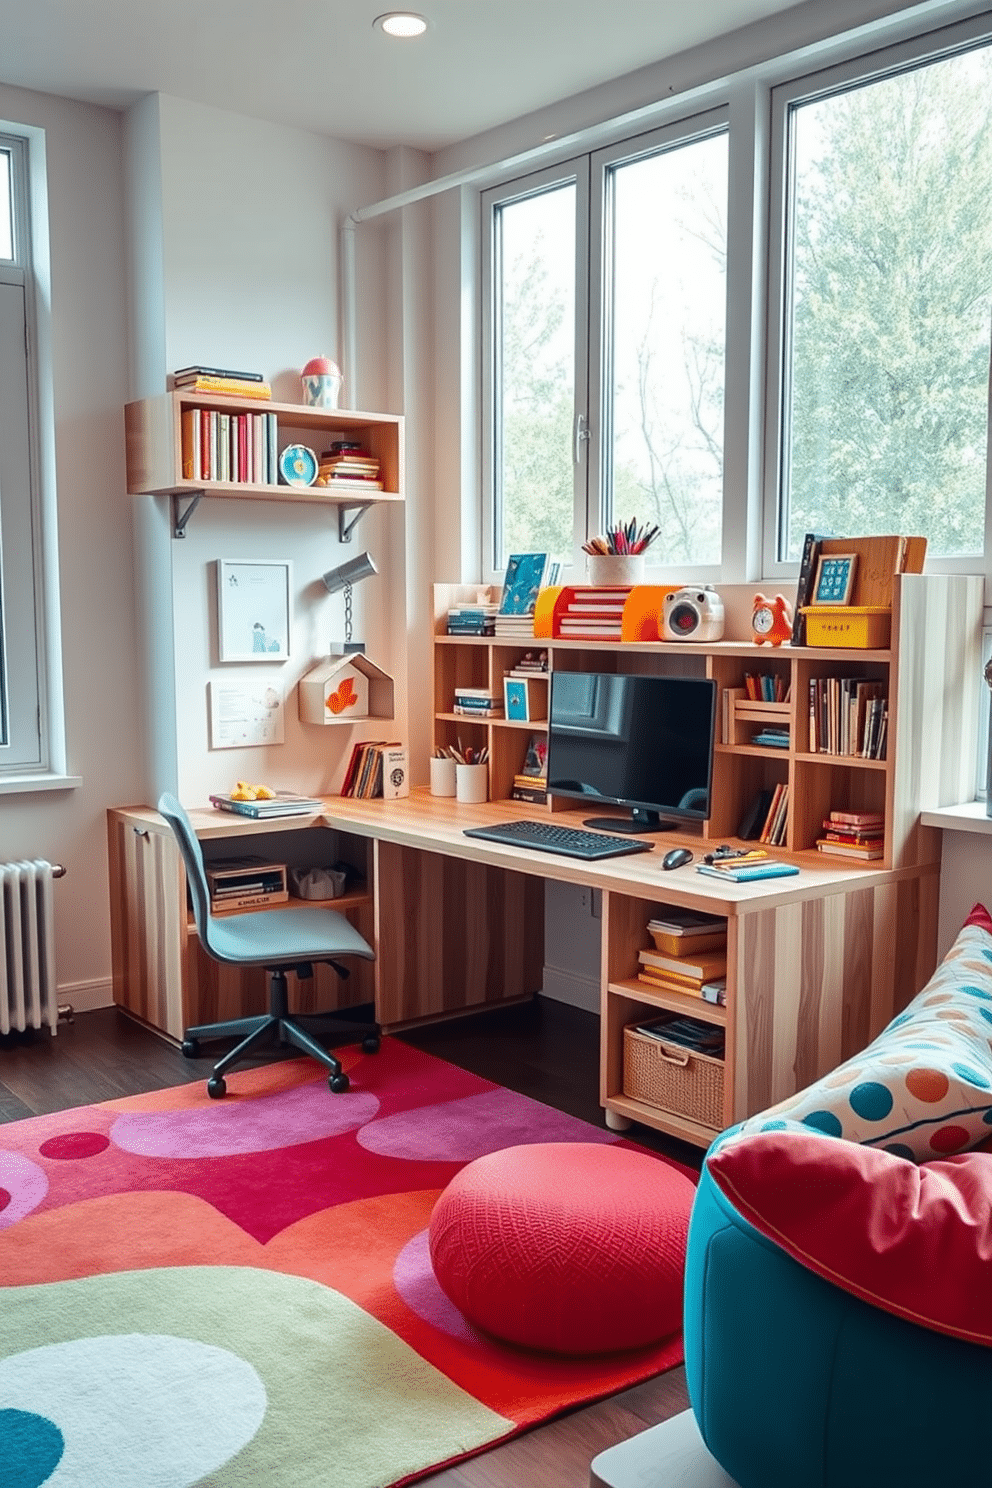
{"x": 980, "y": 916}
{"x": 914, "y": 1241}
{"x": 571, "y": 1247}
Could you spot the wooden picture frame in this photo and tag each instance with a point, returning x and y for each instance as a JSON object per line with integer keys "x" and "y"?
{"x": 834, "y": 579}
{"x": 253, "y": 609}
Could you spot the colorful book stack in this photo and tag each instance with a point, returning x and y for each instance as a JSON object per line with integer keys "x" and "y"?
{"x": 348, "y": 464}
{"x": 690, "y": 955}
{"x": 472, "y": 619}
{"x": 239, "y": 448}
{"x": 221, "y": 380}
{"x": 853, "y": 834}
{"x": 478, "y": 702}
{"x": 531, "y": 783}
{"x": 594, "y": 614}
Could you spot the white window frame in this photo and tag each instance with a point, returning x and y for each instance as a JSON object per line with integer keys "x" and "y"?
{"x": 535, "y": 184}
{"x": 33, "y": 631}
{"x": 865, "y": 68}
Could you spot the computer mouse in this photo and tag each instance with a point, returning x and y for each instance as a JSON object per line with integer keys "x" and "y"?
{"x": 676, "y": 857}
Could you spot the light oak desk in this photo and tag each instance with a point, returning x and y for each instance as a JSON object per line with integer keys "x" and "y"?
{"x": 817, "y": 962}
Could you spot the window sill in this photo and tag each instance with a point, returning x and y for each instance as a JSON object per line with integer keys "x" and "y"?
{"x": 969, "y": 816}
{"x": 44, "y": 781}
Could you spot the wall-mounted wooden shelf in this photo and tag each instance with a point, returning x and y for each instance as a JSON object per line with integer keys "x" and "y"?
{"x": 153, "y": 434}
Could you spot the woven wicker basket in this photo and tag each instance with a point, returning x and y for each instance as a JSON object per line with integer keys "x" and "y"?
{"x": 673, "y": 1078}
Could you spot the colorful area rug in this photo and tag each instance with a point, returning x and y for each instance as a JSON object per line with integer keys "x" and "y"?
{"x": 239, "y": 1292}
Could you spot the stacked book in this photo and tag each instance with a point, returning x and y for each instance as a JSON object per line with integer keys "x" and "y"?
{"x": 348, "y": 464}
{"x": 772, "y": 738}
{"x": 220, "y": 380}
{"x": 282, "y": 803}
{"x": 478, "y": 702}
{"x": 531, "y": 782}
{"x": 853, "y": 834}
{"x": 473, "y": 619}
{"x": 746, "y": 867}
{"x": 239, "y": 448}
{"x": 531, "y": 664}
{"x": 595, "y": 614}
{"x": 689, "y": 955}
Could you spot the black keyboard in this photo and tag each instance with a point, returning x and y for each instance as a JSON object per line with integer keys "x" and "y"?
{"x": 572, "y": 842}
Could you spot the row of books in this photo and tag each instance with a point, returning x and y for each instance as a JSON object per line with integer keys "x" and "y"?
{"x": 241, "y": 448}
{"x": 776, "y": 823}
{"x": 372, "y": 768}
{"x": 349, "y": 463}
{"x": 226, "y": 382}
{"x": 478, "y": 702}
{"x": 766, "y": 687}
{"x": 595, "y": 614}
{"x": 853, "y": 834}
{"x": 847, "y": 715}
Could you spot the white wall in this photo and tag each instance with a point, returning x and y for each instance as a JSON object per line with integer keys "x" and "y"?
{"x": 248, "y": 276}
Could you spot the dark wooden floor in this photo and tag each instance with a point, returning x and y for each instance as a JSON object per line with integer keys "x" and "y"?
{"x": 543, "y": 1049}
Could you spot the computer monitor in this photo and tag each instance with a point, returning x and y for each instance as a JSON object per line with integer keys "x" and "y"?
{"x": 644, "y": 743}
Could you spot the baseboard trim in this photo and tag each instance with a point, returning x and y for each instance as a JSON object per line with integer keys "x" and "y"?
{"x": 577, "y": 991}
{"x": 85, "y": 997}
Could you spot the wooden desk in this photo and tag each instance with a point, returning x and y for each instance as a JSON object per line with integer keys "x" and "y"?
{"x": 817, "y": 962}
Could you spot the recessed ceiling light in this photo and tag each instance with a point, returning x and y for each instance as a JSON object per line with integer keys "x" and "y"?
{"x": 401, "y": 23}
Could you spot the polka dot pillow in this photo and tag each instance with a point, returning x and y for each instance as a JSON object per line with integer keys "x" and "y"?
{"x": 923, "y": 1088}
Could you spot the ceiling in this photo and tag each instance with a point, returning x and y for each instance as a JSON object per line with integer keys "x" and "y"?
{"x": 319, "y": 65}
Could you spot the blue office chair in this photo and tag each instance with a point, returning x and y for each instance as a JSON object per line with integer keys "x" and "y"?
{"x": 280, "y": 940}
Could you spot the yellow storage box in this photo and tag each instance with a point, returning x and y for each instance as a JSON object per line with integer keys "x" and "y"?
{"x": 867, "y": 627}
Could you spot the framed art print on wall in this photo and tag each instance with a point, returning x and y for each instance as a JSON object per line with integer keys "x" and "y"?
{"x": 253, "y": 609}
{"x": 834, "y": 579}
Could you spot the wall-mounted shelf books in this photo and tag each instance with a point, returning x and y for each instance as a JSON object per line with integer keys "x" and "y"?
{"x": 153, "y": 430}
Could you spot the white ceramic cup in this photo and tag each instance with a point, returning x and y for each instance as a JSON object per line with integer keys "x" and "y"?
{"x": 472, "y": 782}
{"x": 442, "y": 776}
{"x": 615, "y": 568}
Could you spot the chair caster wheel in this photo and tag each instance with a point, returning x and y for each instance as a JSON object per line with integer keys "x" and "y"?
{"x": 339, "y": 1083}
{"x": 190, "y": 1049}
{"x": 371, "y": 1044}
{"x": 216, "y": 1087}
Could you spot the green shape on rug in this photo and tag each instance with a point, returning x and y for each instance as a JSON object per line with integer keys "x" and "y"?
{"x": 241, "y": 1373}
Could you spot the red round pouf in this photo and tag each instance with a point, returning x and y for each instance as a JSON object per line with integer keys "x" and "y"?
{"x": 570, "y": 1247}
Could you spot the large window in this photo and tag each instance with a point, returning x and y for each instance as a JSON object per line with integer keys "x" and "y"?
{"x": 769, "y": 316}
{"x": 605, "y": 354}
{"x": 31, "y": 745}
{"x": 888, "y": 279}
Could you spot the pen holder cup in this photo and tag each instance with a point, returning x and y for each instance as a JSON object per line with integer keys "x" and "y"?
{"x": 604, "y": 569}
{"x": 442, "y": 776}
{"x": 472, "y": 782}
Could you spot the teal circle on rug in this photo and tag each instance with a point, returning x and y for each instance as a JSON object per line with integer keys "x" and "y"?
{"x": 30, "y": 1449}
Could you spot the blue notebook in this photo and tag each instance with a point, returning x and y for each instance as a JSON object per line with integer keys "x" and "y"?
{"x": 748, "y": 871}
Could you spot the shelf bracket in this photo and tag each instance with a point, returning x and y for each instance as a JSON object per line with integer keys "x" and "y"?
{"x": 346, "y": 523}
{"x": 179, "y": 522}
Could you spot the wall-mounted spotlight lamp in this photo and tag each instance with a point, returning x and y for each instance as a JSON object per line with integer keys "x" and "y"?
{"x": 343, "y": 578}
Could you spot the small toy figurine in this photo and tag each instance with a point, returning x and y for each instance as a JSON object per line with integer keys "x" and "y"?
{"x": 771, "y": 620}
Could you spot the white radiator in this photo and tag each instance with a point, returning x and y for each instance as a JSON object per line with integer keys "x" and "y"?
{"x": 27, "y": 935}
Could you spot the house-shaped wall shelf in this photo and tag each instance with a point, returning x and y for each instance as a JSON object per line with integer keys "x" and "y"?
{"x": 345, "y": 689}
